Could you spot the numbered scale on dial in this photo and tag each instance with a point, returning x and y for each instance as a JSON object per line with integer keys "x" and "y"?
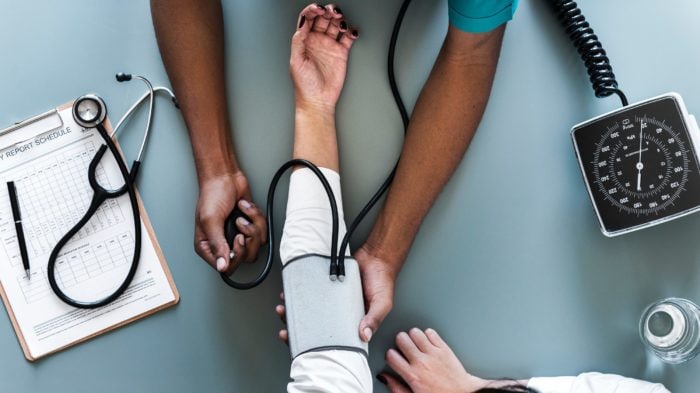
{"x": 640, "y": 164}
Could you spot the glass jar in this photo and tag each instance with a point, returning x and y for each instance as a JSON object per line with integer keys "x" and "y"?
{"x": 670, "y": 328}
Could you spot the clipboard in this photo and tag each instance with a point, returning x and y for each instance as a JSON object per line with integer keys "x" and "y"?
{"x": 20, "y": 133}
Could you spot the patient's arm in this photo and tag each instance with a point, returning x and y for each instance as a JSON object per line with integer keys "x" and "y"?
{"x": 318, "y": 65}
{"x": 320, "y": 49}
{"x": 424, "y": 363}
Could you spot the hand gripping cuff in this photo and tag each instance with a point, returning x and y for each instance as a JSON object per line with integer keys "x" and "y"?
{"x": 322, "y": 314}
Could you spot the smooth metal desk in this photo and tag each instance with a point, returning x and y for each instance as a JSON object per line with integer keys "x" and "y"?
{"x": 510, "y": 266}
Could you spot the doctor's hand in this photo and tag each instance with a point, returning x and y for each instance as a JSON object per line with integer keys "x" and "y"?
{"x": 378, "y": 281}
{"x": 218, "y": 196}
{"x": 319, "y": 56}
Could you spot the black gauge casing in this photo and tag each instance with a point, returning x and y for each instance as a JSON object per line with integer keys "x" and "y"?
{"x": 640, "y": 164}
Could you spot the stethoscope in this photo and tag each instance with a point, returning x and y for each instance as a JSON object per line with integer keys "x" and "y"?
{"x": 90, "y": 111}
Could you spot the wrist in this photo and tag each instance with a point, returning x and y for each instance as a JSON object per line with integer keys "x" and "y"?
{"x": 497, "y": 383}
{"x": 215, "y": 169}
{"x": 212, "y": 148}
{"x": 310, "y": 109}
{"x": 387, "y": 245}
{"x": 391, "y": 262}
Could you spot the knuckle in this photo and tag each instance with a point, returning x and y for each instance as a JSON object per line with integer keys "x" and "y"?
{"x": 421, "y": 362}
{"x": 207, "y": 218}
{"x": 412, "y": 378}
{"x": 250, "y": 257}
{"x": 388, "y": 305}
{"x": 259, "y": 233}
{"x": 199, "y": 251}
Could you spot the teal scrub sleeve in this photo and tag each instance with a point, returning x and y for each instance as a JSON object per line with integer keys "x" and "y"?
{"x": 480, "y": 16}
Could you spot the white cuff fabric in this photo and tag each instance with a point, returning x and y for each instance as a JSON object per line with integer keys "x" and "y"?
{"x": 595, "y": 383}
{"x": 330, "y": 371}
{"x": 552, "y": 385}
{"x": 307, "y": 228}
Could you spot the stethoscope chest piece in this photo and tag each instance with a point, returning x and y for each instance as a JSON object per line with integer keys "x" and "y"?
{"x": 89, "y": 111}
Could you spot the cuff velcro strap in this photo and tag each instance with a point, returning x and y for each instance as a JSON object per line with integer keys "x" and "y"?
{"x": 322, "y": 314}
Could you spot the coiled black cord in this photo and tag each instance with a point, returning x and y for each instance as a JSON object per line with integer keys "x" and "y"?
{"x": 589, "y": 48}
{"x": 337, "y": 266}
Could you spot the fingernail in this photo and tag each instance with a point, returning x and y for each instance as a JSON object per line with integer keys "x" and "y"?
{"x": 243, "y": 221}
{"x": 337, "y": 10}
{"x": 302, "y": 21}
{"x": 355, "y": 33}
{"x": 320, "y": 7}
{"x": 368, "y": 333}
{"x": 381, "y": 378}
{"x": 343, "y": 25}
{"x": 241, "y": 240}
{"x": 245, "y": 204}
{"x": 221, "y": 264}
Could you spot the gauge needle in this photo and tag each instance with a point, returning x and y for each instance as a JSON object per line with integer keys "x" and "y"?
{"x": 640, "y": 166}
{"x": 635, "y": 152}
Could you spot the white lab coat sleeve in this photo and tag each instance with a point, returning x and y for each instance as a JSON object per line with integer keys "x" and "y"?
{"x": 594, "y": 383}
{"x": 307, "y": 230}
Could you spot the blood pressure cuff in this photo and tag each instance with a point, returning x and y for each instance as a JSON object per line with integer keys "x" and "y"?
{"x": 322, "y": 314}
{"x": 480, "y": 16}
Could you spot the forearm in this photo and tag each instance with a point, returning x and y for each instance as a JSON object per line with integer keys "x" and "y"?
{"x": 445, "y": 118}
{"x": 190, "y": 35}
{"x": 315, "y": 136}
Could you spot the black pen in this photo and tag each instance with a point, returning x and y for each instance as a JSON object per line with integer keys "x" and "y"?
{"x": 17, "y": 216}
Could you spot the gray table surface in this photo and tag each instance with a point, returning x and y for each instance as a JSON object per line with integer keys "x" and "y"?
{"x": 509, "y": 266}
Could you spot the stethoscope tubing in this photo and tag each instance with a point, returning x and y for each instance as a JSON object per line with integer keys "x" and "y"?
{"x": 100, "y": 194}
{"x": 270, "y": 225}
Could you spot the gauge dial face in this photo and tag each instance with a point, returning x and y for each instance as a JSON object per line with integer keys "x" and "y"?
{"x": 639, "y": 164}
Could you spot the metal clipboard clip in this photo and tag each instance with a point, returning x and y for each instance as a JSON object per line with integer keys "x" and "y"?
{"x": 25, "y": 130}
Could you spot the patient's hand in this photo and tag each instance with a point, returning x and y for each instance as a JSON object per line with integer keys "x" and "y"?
{"x": 426, "y": 364}
{"x": 319, "y": 56}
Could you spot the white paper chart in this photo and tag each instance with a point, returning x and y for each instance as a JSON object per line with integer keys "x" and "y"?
{"x": 81, "y": 265}
{"x": 49, "y": 165}
{"x": 62, "y": 183}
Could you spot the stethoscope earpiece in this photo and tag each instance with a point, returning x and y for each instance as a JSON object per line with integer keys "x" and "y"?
{"x": 122, "y": 77}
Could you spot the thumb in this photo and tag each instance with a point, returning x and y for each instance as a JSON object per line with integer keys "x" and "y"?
{"x": 379, "y": 307}
{"x": 306, "y": 19}
{"x": 393, "y": 384}
{"x": 214, "y": 231}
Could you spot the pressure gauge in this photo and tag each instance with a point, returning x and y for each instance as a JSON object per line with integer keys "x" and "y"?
{"x": 89, "y": 110}
{"x": 640, "y": 164}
